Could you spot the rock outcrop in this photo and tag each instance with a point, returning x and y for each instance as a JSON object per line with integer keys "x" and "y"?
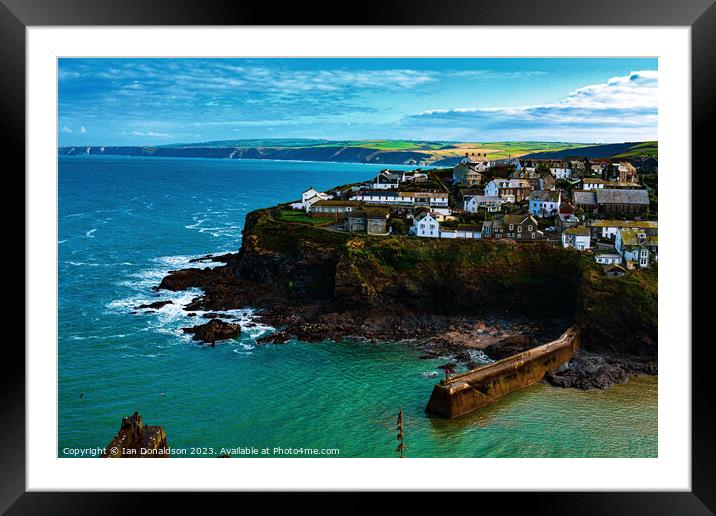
{"x": 135, "y": 440}
{"x": 316, "y": 284}
{"x": 213, "y": 331}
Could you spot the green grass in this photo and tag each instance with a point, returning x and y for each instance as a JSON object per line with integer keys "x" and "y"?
{"x": 386, "y": 145}
{"x": 302, "y": 218}
{"x": 641, "y": 150}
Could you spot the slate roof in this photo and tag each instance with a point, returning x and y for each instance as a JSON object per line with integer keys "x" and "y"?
{"x": 631, "y": 237}
{"x": 584, "y": 197}
{"x": 469, "y": 227}
{"x": 578, "y": 230}
{"x": 517, "y": 219}
{"x": 545, "y": 195}
{"x": 642, "y": 224}
{"x": 610, "y": 196}
{"x": 336, "y": 203}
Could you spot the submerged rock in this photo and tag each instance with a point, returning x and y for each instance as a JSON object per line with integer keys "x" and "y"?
{"x": 279, "y": 337}
{"x": 214, "y": 330}
{"x": 156, "y": 304}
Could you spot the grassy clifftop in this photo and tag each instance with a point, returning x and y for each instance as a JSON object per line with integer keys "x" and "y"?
{"x": 350, "y": 272}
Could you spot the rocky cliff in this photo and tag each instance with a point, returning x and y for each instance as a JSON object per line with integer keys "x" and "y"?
{"x": 316, "y": 284}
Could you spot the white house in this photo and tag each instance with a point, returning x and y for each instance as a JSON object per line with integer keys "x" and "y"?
{"x": 637, "y": 247}
{"x": 599, "y": 168}
{"x": 387, "y": 180}
{"x": 545, "y": 203}
{"x": 426, "y": 225}
{"x": 608, "y": 259}
{"x": 469, "y": 231}
{"x": 561, "y": 170}
{"x": 472, "y": 203}
{"x": 592, "y": 183}
{"x": 492, "y": 189}
{"x": 432, "y": 199}
{"x": 514, "y": 189}
{"x": 308, "y": 198}
{"x": 578, "y": 237}
{"x": 608, "y": 228}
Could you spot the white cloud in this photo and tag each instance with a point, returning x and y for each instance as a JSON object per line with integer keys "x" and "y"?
{"x": 622, "y": 108}
{"x": 83, "y": 130}
{"x": 66, "y": 129}
{"x": 149, "y": 134}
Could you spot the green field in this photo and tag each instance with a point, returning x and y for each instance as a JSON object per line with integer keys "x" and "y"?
{"x": 641, "y": 150}
{"x": 423, "y": 151}
{"x": 300, "y": 217}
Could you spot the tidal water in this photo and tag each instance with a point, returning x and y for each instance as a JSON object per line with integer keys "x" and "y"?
{"x": 124, "y": 222}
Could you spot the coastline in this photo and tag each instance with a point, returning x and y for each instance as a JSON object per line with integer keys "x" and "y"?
{"x": 466, "y": 340}
{"x": 261, "y": 160}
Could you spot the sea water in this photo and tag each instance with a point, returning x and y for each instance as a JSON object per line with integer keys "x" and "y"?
{"x": 124, "y": 222}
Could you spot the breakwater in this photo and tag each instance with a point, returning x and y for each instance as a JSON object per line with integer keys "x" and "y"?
{"x": 463, "y": 393}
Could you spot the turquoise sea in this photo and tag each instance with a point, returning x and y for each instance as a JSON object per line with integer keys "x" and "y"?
{"x": 125, "y": 221}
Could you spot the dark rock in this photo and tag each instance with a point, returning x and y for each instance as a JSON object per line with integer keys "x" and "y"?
{"x": 588, "y": 371}
{"x": 214, "y": 330}
{"x": 279, "y": 337}
{"x": 504, "y": 297}
{"x": 156, "y": 304}
{"x": 191, "y": 314}
{"x": 509, "y": 346}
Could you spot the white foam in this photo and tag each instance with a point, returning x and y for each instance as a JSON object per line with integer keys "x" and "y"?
{"x": 478, "y": 356}
{"x": 90, "y": 234}
{"x": 196, "y": 224}
{"x": 170, "y": 318}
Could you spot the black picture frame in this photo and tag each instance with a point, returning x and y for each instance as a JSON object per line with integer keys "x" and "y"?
{"x": 17, "y": 15}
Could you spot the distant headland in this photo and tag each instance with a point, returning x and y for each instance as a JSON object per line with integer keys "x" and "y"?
{"x": 387, "y": 152}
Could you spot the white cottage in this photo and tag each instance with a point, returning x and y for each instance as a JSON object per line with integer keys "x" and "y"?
{"x": 578, "y": 237}
{"x": 545, "y": 203}
{"x": 637, "y": 247}
{"x": 426, "y": 225}
{"x": 592, "y": 183}
{"x": 472, "y": 203}
{"x": 561, "y": 170}
{"x": 308, "y": 198}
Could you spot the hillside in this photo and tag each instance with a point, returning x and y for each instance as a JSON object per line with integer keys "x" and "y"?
{"x": 388, "y": 152}
{"x": 627, "y": 150}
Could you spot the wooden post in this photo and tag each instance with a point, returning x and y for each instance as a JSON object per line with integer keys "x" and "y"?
{"x": 399, "y": 427}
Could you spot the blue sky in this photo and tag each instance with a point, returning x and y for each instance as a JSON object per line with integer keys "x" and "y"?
{"x": 161, "y": 101}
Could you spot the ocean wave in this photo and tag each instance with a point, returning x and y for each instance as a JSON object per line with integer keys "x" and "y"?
{"x": 170, "y": 318}
{"x": 196, "y": 224}
{"x": 90, "y": 233}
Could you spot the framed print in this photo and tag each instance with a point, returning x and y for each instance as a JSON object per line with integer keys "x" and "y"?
{"x": 424, "y": 256}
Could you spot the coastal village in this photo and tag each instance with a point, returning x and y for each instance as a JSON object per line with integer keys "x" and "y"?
{"x": 604, "y": 208}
